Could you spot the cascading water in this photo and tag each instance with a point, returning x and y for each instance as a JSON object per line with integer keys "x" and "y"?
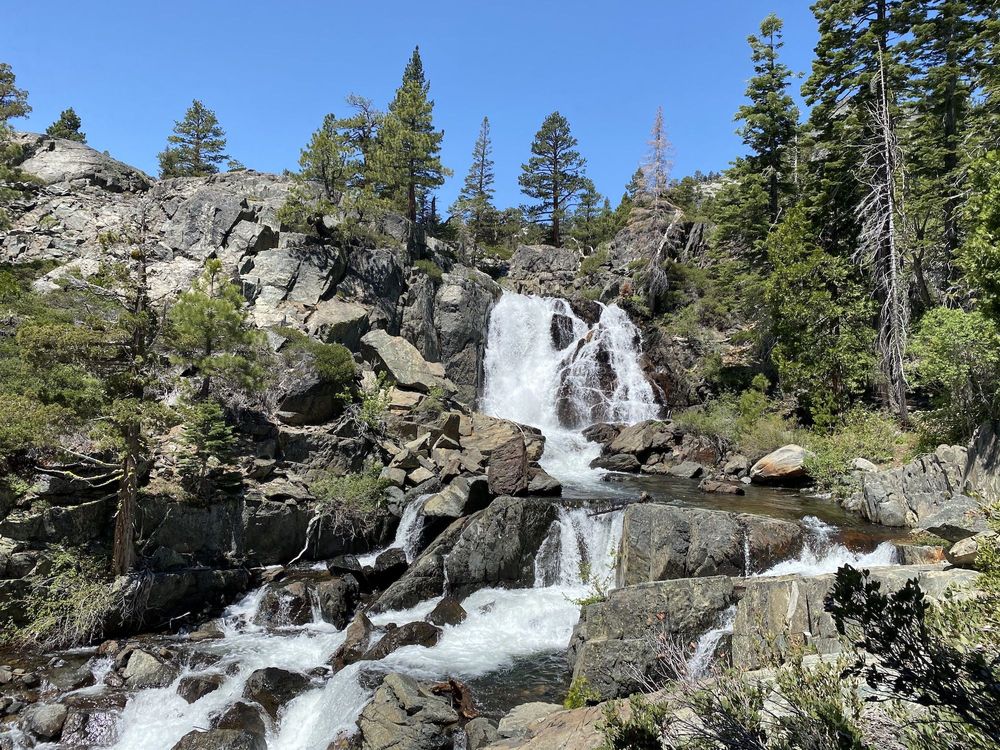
{"x": 821, "y": 555}
{"x": 502, "y": 625}
{"x": 408, "y": 533}
{"x": 547, "y": 368}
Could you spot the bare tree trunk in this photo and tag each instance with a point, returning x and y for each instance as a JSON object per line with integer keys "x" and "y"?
{"x": 128, "y": 491}
{"x": 879, "y": 246}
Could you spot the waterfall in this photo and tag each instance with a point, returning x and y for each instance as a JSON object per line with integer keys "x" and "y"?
{"x": 821, "y": 555}
{"x": 547, "y": 368}
{"x": 704, "y": 651}
{"x": 408, "y": 533}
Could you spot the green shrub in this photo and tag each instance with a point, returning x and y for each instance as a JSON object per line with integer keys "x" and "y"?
{"x": 593, "y": 262}
{"x": 207, "y": 442}
{"x": 333, "y": 362}
{"x": 353, "y": 502}
{"x": 432, "y": 404}
{"x": 375, "y": 403}
{"x": 639, "y": 728}
{"x": 71, "y": 606}
{"x": 429, "y": 268}
{"x": 580, "y": 694}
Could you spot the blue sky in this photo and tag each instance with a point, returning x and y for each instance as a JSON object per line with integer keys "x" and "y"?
{"x": 271, "y": 70}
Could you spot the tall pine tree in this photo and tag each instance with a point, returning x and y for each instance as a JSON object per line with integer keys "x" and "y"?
{"x": 554, "y": 175}
{"x": 770, "y": 120}
{"x": 475, "y": 201}
{"x": 408, "y": 150}
{"x": 197, "y": 145}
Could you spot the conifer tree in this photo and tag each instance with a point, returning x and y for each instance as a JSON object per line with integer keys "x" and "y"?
{"x": 67, "y": 126}
{"x": 591, "y": 223}
{"x": 197, "y": 145}
{"x": 554, "y": 175}
{"x": 770, "y": 119}
{"x": 13, "y": 101}
{"x": 209, "y": 332}
{"x": 13, "y": 104}
{"x": 656, "y": 166}
{"x": 407, "y": 154}
{"x": 329, "y": 159}
{"x": 475, "y": 201}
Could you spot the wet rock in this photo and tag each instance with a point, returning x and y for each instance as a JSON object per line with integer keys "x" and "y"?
{"x": 45, "y": 720}
{"x": 272, "y": 688}
{"x": 221, "y": 739}
{"x": 462, "y": 496}
{"x": 602, "y": 432}
{"x": 623, "y": 462}
{"x": 786, "y": 465}
{"x": 643, "y": 438}
{"x": 144, "y": 670}
{"x": 357, "y": 639}
{"x": 291, "y": 603}
{"x": 345, "y": 565}
{"x": 193, "y": 687}
{"x": 686, "y": 470}
{"x": 561, "y": 331}
{"x": 721, "y": 488}
{"x": 660, "y": 542}
{"x": 618, "y": 641}
{"x": 480, "y": 733}
{"x": 448, "y": 611}
{"x": 337, "y": 599}
{"x": 405, "y": 714}
{"x": 508, "y": 468}
{"x": 736, "y": 466}
{"x": 541, "y": 484}
{"x": 240, "y": 716}
{"x": 412, "y": 634}
{"x": 498, "y": 545}
{"x": 388, "y": 567}
{"x": 425, "y": 577}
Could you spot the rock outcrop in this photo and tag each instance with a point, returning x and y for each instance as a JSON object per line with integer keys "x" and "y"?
{"x": 660, "y": 542}
{"x": 405, "y": 714}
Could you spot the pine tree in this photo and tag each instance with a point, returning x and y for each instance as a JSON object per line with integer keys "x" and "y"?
{"x": 209, "y": 332}
{"x": 13, "y": 101}
{"x": 206, "y": 438}
{"x": 67, "y": 126}
{"x": 770, "y": 120}
{"x": 475, "y": 201}
{"x": 656, "y": 166}
{"x": 554, "y": 175}
{"x": 329, "y": 159}
{"x": 197, "y": 145}
{"x": 590, "y": 221}
{"x": 856, "y": 47}
{"x": 407, "y": 154}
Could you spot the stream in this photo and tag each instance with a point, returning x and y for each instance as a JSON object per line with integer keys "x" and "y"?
{"x": 510, "y": 649}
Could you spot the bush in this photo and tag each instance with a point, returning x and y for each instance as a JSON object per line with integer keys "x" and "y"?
{"x": 429, "y": 268}
{"x": 333, "y": 362}
{"x": 353, "y": 502}
{"x": 593, "y": 262}
{"x": 70, "y": 607}
{"x": 432, "y": 404}
{"x": 640, "y": 728}
{"x": 375, "y": 403}
{"x": 580, "y": 694}
{"x": 956, "y": 357}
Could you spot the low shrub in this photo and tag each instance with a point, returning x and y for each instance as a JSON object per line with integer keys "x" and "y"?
{"x": 592, "y": 263}
{"x": 430, "y": 269}
{"x": 70, "y": 606}
{"x": 375, "y": 403}
{"x": 353, "y": 502}
{"x": 580, "y": 694}
{"x": 638, "y": 728}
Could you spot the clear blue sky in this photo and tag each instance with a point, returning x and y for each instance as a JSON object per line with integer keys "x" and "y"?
{"x": 271, "y": 70}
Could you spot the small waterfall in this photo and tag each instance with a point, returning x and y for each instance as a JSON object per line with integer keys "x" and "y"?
{"x": 701, "y": 659}
{"x": 547, "y": 368}
{"x": 579, "y": 550}
{"x": 408, "y": 533}
{"x": 821, "y": 555}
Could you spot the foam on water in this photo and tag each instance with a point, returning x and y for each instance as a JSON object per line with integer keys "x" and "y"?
{"x": 411, "y": 526}
{"x": 820, "y": 555}
{"x": 704, "y": 651}
{"x": 563, "y": 390}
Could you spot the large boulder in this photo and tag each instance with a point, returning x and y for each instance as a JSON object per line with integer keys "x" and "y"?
{"x": 338, "y": 321}
{"x": 45, "y": 720}
{"x": 400, "y": 359}
{"x": 498, "y": 545}
{"x": 462, "y": 496}
{"x": 786, "y": 465}
{"x": 60, "y": 161}
{"x": 271, "y": 688}
{"x": 411, "y": 634}
{"x": 660, "y": 542}
{"x": 508, "y": 468}
{"x": 221, "y": 739}
{"x": 291, "y": 603}
{"x": 405, "y": 715}
{"x": 777, "y": 616}
{"x": 643, "y": 438}
{"x": 144, "y": 670}
{"x": 620, "y": 640}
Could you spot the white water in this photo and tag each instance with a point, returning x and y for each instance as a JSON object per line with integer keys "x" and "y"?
{"x": 704, "y": 651}
{"x": 411, "y": 526}
{"x": 820, "y": 555}
{"x": 502, "y": 625}
{"x": 527, "y": 378}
